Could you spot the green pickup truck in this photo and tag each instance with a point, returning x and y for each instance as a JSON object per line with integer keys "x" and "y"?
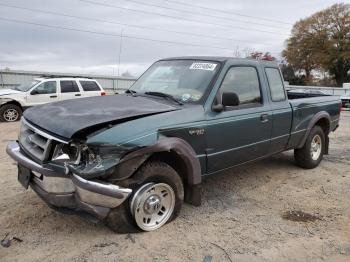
{"x": 131, "y": 160}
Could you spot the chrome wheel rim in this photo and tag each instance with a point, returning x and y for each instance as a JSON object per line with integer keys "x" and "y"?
{"x": 316, "y": 147}
{"x": 152, "y": 205}
{"x": 10, "y": 115}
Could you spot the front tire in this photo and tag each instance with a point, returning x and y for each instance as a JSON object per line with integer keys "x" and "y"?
{"x": 157, "y": 198}
{"x": 10, "y": 113}
{"x": 311, "y": 154}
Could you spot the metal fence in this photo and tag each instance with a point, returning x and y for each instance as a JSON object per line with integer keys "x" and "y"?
{"x": 113, "y": 84}
{"x": 13, "y": 78}
{"x": 336, "y": 91}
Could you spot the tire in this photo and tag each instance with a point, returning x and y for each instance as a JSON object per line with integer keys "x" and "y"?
{"x": 306, "y": 156}
{"x": 123, "y": 218}
{"x": 10, "y": 113}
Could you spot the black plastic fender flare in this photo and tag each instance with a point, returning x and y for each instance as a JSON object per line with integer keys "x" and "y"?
{"x": 132, "y": 161}
{"x": 317, "y": 117}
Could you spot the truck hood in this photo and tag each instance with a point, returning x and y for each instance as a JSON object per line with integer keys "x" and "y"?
{"x": 4, "y": 92}
{"x": 66, "y": 118}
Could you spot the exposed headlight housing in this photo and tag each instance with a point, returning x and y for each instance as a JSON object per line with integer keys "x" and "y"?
{"x": 89, "y": 161}
{"x": 67, "y": 153}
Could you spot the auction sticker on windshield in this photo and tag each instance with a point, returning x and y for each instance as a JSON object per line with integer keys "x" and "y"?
{"x": 203, "y": 66}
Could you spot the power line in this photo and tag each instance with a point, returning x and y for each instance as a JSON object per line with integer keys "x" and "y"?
{"x": 114, "y": 35}
{"x": 122, "y": 24}
{"x": 203, "y": 14}
{"x": 227, "y": 12}
{"x": 177, "y": 18}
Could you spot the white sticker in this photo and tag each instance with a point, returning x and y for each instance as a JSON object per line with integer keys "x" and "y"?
{"x": 203, "y": 66}
{"x": 186, "y": 97}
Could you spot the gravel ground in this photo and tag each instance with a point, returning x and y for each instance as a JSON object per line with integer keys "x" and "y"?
{"x": 247, "y": 215}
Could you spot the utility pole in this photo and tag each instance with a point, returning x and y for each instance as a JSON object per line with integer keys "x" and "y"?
{"x": 120, "y": 50}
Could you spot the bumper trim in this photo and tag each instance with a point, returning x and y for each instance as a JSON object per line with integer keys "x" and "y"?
{"x": 101, "y": 188}
{"x": 92, "y": 196}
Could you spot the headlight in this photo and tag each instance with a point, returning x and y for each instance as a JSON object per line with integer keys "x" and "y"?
{"x": 67, "y": 153}
{"x": 91, "y": 162}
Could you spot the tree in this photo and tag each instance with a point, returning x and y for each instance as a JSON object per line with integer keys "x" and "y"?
{"x": 322, "y": 41}
{"x": 289, "y": 75}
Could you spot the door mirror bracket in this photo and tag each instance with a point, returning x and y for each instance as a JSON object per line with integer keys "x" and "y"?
{"x": 227, "y": 99}
{"x": 34, "y": 92}
{"x": 218, "y": 108}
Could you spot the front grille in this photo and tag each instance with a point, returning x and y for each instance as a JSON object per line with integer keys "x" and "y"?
{"x": 34, "y": 142}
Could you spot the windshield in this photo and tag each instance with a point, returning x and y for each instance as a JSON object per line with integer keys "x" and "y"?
{"x": 25, "y": 87}
{"x": 185, "y": 80}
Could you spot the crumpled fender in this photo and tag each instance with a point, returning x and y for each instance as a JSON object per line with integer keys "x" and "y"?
{"x": 132, "y": 161}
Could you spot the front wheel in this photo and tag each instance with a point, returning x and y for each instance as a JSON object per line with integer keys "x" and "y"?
{"x": 10, "y": 113}
{"x": 157, "y": 198}
{"x": 153, "y": 205}
{"x": 311, "y": 154}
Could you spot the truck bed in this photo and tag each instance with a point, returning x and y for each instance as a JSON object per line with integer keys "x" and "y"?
{"x": 296, "y": 95}
{"x": 305, "y": 108}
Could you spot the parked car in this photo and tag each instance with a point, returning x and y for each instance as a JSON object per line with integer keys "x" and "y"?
{"x": 44, "y": 90}
{"x": 132, "y": 159}
{"x": 345, "y": 99}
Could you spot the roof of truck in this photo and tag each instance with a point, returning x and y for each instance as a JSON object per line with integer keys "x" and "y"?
{"x": 220, "y": 59}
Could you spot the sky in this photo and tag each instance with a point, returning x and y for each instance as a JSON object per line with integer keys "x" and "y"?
{"x": 111, "y": 37}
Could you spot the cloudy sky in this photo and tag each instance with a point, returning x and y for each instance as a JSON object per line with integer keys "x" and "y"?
{"x": 84, "y": 36}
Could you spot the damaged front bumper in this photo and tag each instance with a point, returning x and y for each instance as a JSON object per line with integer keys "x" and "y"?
{"x": 69, "y": 191}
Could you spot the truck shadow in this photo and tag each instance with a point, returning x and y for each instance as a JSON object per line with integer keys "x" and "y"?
{"x": 228, "y": 188}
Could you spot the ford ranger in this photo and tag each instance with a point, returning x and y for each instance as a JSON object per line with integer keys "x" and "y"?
{"x": 130, "y": 160}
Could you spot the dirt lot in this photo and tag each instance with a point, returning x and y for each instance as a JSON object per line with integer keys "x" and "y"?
{"x": 247, "y": 215}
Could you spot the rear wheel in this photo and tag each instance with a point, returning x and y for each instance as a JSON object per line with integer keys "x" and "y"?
{"x": 156, "y": 200}
{"x": 10, "y": 113}
{"x": 311, "y": 154}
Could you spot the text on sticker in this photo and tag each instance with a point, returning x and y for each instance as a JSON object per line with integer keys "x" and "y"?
{"x": 203, "y": 66}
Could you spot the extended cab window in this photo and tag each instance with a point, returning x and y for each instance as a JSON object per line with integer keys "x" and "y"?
{"x": 69, "y": 87}
{"x": 244, "y": 82}
{"x": 275, "y": 84}
{"x": 90, "y": 86}
{"x": 48, "y": 87}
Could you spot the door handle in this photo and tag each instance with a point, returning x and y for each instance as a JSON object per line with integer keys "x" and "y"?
{"x": 77, "y": 94}
{"x": 264, "y": 118}
{"x": 53, "y": 96}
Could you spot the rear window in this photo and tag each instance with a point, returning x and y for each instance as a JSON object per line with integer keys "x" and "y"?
{"x": 69, "y": 87}
{"x": 89, "y": 86}
{"x": 276, "y": 84}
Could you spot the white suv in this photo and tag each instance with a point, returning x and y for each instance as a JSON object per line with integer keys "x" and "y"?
{"x": 44, "y": 90}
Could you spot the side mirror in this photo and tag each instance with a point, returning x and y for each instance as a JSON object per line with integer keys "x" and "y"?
{"x": 227, "y": 99}
{"x": 34, "y": 92}
{"x": 230, "y": 99}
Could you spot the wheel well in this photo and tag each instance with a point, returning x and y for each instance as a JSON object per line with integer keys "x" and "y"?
{"x": 192, "y": 192}
{"x": 13, "y": 102}
{"x": 324, "y": 124}
{"x": 174, "y": 160}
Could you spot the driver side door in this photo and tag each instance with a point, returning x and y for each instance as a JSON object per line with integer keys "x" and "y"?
{"x": 43, "y": 93}
{"x": 241, "y": 133}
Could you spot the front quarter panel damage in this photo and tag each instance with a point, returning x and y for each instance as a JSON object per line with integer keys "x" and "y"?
{"x": 124, "y": 168}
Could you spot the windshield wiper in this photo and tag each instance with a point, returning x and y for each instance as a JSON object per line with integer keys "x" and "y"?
{"x": 167, "y": 96}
